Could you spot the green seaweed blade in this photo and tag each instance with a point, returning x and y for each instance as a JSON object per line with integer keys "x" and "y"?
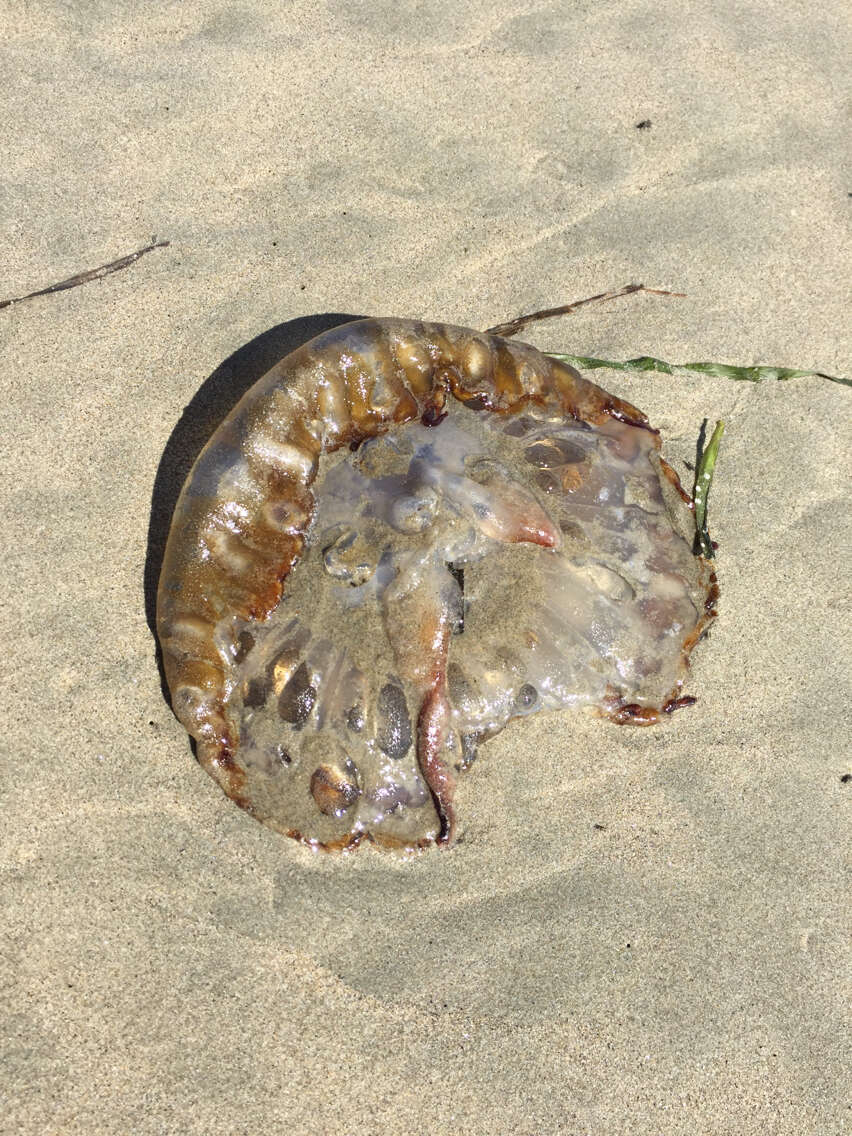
{"x": 719, "y": 370}
{"x": 703, "y": 480}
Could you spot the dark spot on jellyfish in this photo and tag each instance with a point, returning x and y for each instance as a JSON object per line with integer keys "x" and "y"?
{"x": 517, "y": 427}
{"x": 282, "y": 756}
{"x": 571, "y": 452}
{"x": 845, "y": 778}
{"x": 332, "y": 790}
{"x": 297, "y": 698}
{"x": 469, "y": 742}
{"x": 559, "y": 451}
{"x": 394, "y": 726}
{"x": 645, "y": 124}
{"x": 459, "y": 687}
{"x": 547, "y": 481}
{"x": 458, "y": 574}
{"x": 526, "y": 697}
{"x": 599, "y": 827}
{"x": 355, "y": 719}
{"x": 257, "y": 693}
{"x": 432, "y": 416}
{"x": 543, "y": 455}
{"x": 245, "y": 642}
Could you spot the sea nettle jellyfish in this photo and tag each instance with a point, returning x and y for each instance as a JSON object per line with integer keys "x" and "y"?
{"x": 403, "y": 536}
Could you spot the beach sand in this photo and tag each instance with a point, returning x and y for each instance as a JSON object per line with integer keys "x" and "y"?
{"x": 639, "y": 931}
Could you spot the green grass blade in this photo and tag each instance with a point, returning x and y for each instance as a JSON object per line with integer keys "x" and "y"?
{"x": 719, "y": 370}
{"x": 703, "y": 480}
{"x": 644, "y": 363}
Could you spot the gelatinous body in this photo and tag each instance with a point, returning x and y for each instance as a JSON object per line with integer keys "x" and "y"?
{"x": 404, "y": 535}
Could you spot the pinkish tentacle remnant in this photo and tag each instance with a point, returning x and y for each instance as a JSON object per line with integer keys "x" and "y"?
{"x": 403, "y": 536}
{"x": 433, "y": 725}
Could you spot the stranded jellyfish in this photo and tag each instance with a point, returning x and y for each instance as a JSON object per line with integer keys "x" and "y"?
{"x": 404, "y": 535}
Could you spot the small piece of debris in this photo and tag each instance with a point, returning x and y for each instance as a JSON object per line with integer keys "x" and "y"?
{"x": 87, "y": 276}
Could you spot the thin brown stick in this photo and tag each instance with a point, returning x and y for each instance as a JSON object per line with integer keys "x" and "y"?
{"x": 86, "y": 277}
{"x": 515, "y": 325}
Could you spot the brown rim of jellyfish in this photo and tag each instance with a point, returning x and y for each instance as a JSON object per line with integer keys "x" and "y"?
{"x": 499, "y": 392}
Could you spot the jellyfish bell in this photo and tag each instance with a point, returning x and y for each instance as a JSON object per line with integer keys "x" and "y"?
{"x": 402, "y": 537}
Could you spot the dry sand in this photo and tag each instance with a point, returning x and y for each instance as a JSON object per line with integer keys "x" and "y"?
{"x": 640, "y": 931}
